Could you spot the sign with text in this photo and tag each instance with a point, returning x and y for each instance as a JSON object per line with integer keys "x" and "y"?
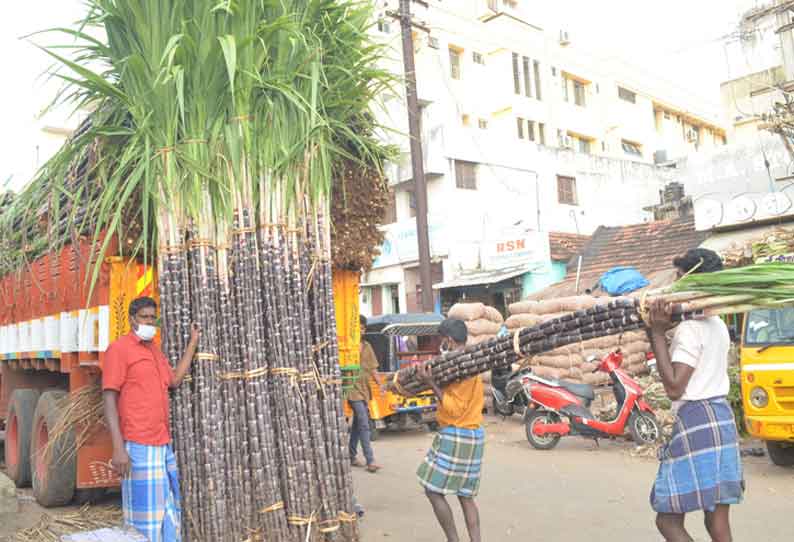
{"x": 719, "y": 211}
{"x": 531, "y": 248}
{"x": 401, "y": 243}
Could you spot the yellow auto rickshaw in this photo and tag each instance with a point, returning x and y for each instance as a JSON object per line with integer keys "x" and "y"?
{"x": 399, "y": 340}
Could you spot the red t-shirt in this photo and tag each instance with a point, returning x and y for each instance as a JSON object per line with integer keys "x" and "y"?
{"x": 140, "y": 372}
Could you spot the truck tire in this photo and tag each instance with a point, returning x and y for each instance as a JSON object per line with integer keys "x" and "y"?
{"x": 54, "y": 475}
{"x": 19, "y": 426}
{"x": 780, "y": 453}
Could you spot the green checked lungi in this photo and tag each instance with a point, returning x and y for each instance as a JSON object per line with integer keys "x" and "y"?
{"x": 454, "y": 462}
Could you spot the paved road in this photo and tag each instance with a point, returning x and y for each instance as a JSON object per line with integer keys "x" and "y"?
{"x": 575, "y": 493}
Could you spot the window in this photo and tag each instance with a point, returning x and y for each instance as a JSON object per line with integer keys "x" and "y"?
{"x": 565, "y": 88}
{"x": 493, "y": 5}
{"x": 384, "y": 26}
{"x": 390, "y": 214}
{"x": 554, "y": 71}
{"x": 566, "y": 190}
{"x": 527, "y": 82}
{"x": 465, "y": 120}
{"x": 454, "y": 63}
{"x": 667, "y": 116}
{"x": 483, "y": 124}
{"x": 466, "y": 175}
{"x": 537, "y": 79}
{"x": 542, "y": 133}
{"x": 627, "y": 95}
{"x": 412, "y": 202}
{"x": 578, "y": 93}
{"x": 478, "y": 58}
{"x": 631, "y": 148}
{"x": 584, "y": 145}
{"x": 516, "y": 74}
{"x": 531, "y": 130}
{"x": 520, "y": 124}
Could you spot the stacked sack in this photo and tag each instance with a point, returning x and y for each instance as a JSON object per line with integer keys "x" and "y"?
{"x": 483, "y": 323}
{"x": 570, "y": 362}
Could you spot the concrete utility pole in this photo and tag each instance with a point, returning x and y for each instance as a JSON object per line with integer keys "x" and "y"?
{"x": 417, "y": 160}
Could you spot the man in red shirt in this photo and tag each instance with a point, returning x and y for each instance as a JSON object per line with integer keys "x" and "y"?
{"x": 136, "y": 377}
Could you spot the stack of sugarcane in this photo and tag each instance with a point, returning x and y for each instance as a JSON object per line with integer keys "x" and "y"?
{"x": 219, "y": 127}
{"x": 695, "y": 296}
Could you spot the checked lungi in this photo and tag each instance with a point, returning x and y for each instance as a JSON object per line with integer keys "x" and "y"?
{"x": 701, "y": 464}
{"x": 453, "y": 463}
{"x": 150, "y": 493}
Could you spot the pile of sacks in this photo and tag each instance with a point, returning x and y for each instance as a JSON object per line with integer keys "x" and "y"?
{"x": 570, "y": 362}
{"x": 483, "y": 323}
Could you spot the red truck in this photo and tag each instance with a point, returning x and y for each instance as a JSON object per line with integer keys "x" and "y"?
{"x": 54, "y": 330}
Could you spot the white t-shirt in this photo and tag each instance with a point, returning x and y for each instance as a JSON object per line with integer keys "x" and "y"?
{"x": 704, "y": 345}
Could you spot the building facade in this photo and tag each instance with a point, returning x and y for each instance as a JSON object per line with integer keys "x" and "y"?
{"x": 760, "y": 56}
{"x": 523, "y": 134}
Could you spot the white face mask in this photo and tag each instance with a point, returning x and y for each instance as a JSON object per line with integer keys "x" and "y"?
{"x": 146, "y": 332}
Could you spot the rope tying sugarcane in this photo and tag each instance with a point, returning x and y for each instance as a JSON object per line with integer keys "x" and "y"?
{"x": 206, "y": 356}
{"x": 172, "y": 250}
{"x": 331, "y": 525}
{"x": 201, "y": 243}
{"x": 516, "y": 345}
{"x": 273, "y": 507}
{"x": 347, "y": 518}
{"x": 241, "y": 231}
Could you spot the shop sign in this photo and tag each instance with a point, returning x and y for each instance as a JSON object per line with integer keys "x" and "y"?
{"x": 531, "y": 248}
{"x": 401, "y": 245}
{"x": 719, "y": 211}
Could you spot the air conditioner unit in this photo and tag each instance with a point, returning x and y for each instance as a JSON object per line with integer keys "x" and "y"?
{"x": 566, "y": 142}
{"x": 433, "y": 42}
{"x": 564, "y": 38}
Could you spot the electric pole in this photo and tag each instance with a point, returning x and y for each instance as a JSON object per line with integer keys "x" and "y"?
{"x": 417, "y": 160}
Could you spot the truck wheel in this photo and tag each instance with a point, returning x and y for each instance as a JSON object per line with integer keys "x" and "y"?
{"x": 780, "y": 453}
{"x": 19, "y": 426}
{"x": 54, "y": 474}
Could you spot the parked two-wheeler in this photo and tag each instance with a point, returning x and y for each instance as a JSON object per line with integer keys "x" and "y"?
{"x": 508, "y": 394}
{"x": 558, "y": 408}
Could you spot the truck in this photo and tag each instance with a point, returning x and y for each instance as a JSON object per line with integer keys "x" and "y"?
{"x": 55, "y": 327}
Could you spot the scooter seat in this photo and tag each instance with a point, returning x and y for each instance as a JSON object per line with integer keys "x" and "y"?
{"x": 584, "y": 391}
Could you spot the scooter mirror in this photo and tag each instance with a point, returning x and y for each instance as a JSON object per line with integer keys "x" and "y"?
{"x": 591, "y": 358}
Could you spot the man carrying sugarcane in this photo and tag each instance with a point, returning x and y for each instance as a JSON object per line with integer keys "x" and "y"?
{"x": 452, "y": 465}
{"x": 700, "y": 465}
{"x": 359, "y": 397}
{"x": 136, "y": 377}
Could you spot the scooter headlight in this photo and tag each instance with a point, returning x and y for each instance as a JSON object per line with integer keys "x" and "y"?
{"x": 759, "y": 398}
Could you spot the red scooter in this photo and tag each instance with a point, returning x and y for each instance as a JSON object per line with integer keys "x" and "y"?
{"x": 559, "y": 408}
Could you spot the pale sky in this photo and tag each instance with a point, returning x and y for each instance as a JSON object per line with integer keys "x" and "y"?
{"x": 677, "y": 40}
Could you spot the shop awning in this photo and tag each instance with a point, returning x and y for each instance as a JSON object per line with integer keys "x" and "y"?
{"x": 484, "y": 278}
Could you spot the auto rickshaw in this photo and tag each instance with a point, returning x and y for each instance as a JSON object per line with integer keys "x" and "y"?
{"x": 401, "y": 340}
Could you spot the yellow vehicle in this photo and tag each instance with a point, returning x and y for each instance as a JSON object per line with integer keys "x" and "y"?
{"x": 767, "y": 375}
{"x": 401, "y": 340}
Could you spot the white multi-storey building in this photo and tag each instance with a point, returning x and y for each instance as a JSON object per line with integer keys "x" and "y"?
{"x": 523, "y": 134}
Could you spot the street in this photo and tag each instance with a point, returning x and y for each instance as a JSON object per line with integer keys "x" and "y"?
{"x": 574, "y": 493}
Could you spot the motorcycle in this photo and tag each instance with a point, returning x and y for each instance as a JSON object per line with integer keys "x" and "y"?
{"x": 508, "y": 394}
{"x": 558, "y": 408}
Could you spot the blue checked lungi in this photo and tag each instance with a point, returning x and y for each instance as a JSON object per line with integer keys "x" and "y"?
{"x": 150, "y": 493}
{"x": 453, "y": 463}
{"x": 701, "y": 464}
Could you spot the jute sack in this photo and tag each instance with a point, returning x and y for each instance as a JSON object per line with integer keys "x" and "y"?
{"x": 482, "y": 327}
{"x": 467, "y": 311}
{"x": 493, "y": 315}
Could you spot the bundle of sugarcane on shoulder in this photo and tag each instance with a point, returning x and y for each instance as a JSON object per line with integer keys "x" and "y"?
{"x": 694, "y": 296}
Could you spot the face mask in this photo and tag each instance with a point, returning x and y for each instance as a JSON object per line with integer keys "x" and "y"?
{"x": 146, "y": 332}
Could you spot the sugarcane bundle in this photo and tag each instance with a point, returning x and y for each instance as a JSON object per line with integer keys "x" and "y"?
{"x": 216, "y": 133}
{"x": 694, "y": 296}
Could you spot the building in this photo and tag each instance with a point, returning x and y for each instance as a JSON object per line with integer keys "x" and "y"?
{"x": 524, "y": 136}
{"x": 760, "y": 57}
{"x": 649, "y": 247}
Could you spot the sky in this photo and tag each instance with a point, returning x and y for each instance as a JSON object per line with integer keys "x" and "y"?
{"x": 677, "y": 40}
